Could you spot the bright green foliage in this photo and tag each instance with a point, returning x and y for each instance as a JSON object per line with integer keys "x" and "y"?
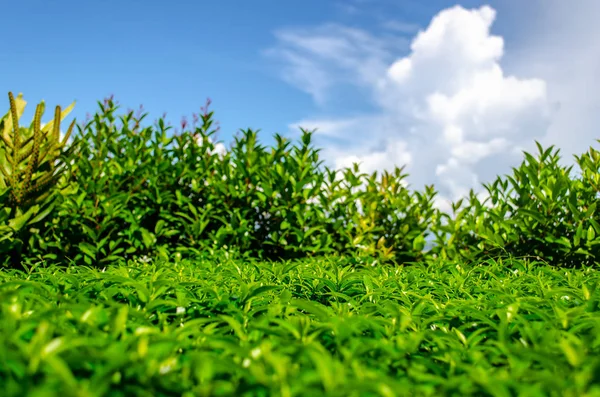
{"x": 28, "y": 172}
{"x": 393, "y": 223}
{"x": 107, "y": 217}
{"x": 138, "y": 192}
{"x": 141, "y": 193}
{"x": 222, "y": 326}
{"x": 262, "y": 273}
{"x": 539, "y": 211}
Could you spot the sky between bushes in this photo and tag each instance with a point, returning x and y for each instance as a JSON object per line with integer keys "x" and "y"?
{"x": 454, "y": 91}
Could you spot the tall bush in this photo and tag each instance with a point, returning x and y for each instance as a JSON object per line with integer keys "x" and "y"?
{"x": 539, "y": 211}
{"x": 142, "y": 193}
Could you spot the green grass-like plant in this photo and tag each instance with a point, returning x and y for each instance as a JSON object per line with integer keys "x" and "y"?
{"x": 220, "y": 325}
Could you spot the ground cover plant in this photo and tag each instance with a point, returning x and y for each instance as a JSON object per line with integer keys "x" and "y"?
{"x": 137, "y": 262}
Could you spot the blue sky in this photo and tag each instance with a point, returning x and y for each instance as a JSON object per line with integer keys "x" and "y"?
{"x": 274, "y": 65}
{"x": 171, "y": 58}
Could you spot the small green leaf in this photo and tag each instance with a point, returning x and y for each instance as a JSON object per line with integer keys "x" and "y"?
{"x": 261, "y": 290}
{"x": 590, "y": 233}
{"x": 40, "y": 216}
{"x": 88, "y": 249}
{"x": 578, "y": 235}
{"x": 314, "y": 308}
{"x": 419, "y": 243}
{"x": 21, "y": 220}
{"x": 149, "y": 238}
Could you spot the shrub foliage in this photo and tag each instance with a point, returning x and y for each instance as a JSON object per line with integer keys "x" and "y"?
{"x": 124, "y": 190}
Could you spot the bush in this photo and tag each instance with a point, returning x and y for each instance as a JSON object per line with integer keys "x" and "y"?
{"x": 539, "y": 211}
{"x": 136, "y": 192}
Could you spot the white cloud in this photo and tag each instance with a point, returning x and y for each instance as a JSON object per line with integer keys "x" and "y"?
{"x": 447, "y": 108}
{"x": 393, "y": 152}
{"x": 560, "y": 45}
{"x": 330, "y": 55}
{"x": 329, "y": 128}
{"x": 400, "y": 26}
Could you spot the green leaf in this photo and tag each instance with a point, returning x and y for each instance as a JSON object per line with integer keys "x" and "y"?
{"x": 261, "y": 290}
{"x": 314, "y": 308}
{"x": 159, "y": 226}
{"x": 590, "y": 233}
{"x": 285, "y": 296}
{"x": 20, "y": 221}
{"x": 578, "y": 235}
{"x": 533, "y": 214}
{"x": 88, "y": 249}
{"x": 89, "y": 231}
{"x": 590, "y": 211}
{"x": 149, "y": 238}
{"x": 419, "y": 243}
{"x": 40, "y": 216}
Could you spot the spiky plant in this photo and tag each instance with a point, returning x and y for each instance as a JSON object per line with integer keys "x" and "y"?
{"x": 28, "y": 169}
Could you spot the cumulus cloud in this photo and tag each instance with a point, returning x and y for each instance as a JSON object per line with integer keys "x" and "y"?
{"x": 559, "y": 44}
{"x": 448, "y": 111}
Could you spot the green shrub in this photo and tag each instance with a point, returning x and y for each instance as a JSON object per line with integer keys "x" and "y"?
{"x": 112, "y": 213}
{"x": 137, "y": 192}
{"x": 539, "y": 211}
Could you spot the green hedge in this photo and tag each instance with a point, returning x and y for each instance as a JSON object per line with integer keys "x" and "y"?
{"x": 128, "y": 191}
